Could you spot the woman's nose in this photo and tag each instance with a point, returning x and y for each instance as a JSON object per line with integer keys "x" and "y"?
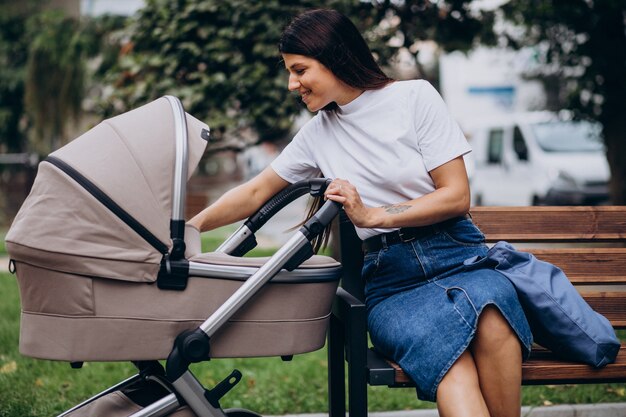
{"x": 293, "y": 83}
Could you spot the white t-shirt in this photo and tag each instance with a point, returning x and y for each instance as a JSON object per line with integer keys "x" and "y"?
{"x": 384, "y": 142}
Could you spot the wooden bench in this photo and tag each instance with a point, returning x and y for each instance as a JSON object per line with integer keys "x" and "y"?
{"x": 588, "y": 243}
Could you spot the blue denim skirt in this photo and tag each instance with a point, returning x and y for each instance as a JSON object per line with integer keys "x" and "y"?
{"x": 423, "y": 304}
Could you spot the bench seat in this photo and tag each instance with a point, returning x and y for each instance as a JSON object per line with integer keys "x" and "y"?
{"x": 587, "y": 243}
{"x": 543, "y": 368}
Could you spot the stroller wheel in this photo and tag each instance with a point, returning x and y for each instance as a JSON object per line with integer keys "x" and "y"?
{"x": 240, "y": 412}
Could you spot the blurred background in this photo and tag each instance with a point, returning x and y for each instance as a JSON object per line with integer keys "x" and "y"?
{"x": 537, "y": 86}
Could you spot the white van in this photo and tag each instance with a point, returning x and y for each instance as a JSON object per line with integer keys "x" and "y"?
{"x": 538, "y": 158}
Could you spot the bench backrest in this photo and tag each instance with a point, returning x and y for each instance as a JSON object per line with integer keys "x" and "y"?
{"x": 588, "y": 243}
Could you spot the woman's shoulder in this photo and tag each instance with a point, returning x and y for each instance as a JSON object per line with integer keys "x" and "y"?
{"x": 416, "y": 87}
{"x": 411, "y": 90}
{"x": 312, "y": 127}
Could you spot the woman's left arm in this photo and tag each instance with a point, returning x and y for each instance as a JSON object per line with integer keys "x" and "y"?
{"x": 451, "y": 198}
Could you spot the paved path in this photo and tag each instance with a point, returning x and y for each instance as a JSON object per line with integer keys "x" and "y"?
{"x": 581, "y": 410}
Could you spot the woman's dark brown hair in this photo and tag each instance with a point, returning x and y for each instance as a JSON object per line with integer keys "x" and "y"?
{"x": 333, "y": 40}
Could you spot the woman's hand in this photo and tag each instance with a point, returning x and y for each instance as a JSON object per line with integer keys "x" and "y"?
{"x": 345, "y": 193}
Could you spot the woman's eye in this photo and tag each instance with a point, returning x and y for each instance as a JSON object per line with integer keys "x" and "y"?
{"x": 299, "y": 71}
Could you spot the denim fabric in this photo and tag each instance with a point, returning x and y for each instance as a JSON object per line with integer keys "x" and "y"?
{"x": 423, "y": 303}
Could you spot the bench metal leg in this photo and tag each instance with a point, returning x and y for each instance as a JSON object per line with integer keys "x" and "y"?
{"x": 336, "y": 369}
{"x": 357, "y": 363}
{"x": 348, "y": 329}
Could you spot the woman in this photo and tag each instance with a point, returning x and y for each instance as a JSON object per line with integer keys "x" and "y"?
{"x": 396, "y": 158}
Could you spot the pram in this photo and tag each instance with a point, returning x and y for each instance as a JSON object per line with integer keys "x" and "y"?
{"x": 108, "y": 270}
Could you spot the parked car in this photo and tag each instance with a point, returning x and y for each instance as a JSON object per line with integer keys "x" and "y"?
{"x": 538, "y": 158}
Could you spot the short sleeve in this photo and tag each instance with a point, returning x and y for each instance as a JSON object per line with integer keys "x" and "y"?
{"x": 439, "y": 137}
{"x": 296, "y": 162}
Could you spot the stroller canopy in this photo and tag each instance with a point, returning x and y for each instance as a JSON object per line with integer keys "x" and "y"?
{"x": 101, "y": 205}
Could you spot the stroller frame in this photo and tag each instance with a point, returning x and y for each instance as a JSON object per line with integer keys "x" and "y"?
{"x": 193, "y": 346}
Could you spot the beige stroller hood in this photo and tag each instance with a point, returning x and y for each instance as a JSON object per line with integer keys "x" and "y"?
{"x": 108, "y": 271}
{"x": 97, "y": 250}
{"x": 129, "y": 159}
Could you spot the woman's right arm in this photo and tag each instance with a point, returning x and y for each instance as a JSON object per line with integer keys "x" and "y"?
{"x": 240, "y": 202}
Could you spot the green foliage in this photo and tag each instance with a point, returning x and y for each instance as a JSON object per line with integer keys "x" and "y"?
{"x": 13, "y": 56}
{"x": 452, "y": 25}
{"x": 220, "y": 58}
{"x": 56, "y": 75}
{"x": 43, "y": 74}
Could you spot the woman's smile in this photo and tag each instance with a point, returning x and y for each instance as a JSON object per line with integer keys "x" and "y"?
{"x": 305, "y": 95}
{"x": 315, "y": 83}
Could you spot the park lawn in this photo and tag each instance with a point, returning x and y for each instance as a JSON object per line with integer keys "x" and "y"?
{"x": 3, "y": 249}
{"x": 41, "y": 388}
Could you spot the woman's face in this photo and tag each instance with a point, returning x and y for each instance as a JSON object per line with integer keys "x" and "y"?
{"x": 317, "y": 85}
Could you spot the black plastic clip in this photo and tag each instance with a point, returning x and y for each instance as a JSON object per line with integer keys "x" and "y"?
{"x": 245, "y": 246}
{"x": 214, "y": 395}
{"x": 304, "y": 253}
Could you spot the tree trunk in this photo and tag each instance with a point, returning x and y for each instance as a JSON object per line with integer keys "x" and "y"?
{"x": 615, "y": 139}
{"x": 609, "y": 46}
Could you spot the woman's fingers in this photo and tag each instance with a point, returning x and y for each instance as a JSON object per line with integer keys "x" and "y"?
{"x": 338, "y": 187}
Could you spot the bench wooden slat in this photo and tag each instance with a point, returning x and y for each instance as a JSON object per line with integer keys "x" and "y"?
{"x": 587, "y": 265}
{"x": 547, "y": 369}
{"x": 551, "y": 224}
{"x": 544, "y": 368}
{"x": 611, "y": 305}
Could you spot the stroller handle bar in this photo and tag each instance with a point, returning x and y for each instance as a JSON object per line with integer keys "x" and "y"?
{"x": 315, "y": 187}
{"x": 194, "y": 345}
{"x": 243, "y": 240}
{"x": 180, "y": 174}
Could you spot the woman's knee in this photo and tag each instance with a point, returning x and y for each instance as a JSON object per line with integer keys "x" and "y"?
{"x": 493, "y": 329}
{"x": 462, "y": 373}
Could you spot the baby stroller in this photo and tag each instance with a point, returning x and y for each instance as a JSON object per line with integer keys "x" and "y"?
{"x": 108, "y": 270}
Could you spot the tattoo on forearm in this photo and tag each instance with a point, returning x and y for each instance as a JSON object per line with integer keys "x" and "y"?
{"x": 396, "y": 208}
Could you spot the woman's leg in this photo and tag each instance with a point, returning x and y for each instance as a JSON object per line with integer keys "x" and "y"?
{"x": 459, "y": 393}
{"x": 497, "y": 354}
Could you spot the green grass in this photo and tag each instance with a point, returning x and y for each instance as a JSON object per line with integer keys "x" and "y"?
{"x": 3, "y": 249}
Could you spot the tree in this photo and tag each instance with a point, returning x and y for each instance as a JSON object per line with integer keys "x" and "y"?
{"x": 584, "y": 43}
{"x": 14, "y": 43}
{"x": 453, "y": 25}
{"x": 221, "y": 57}
{"x": 55, "y": 77}
{"x": 43, "y": 74}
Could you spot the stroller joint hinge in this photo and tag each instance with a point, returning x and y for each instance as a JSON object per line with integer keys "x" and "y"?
{"x": 178, "y": 249}
{"x": 221, "y": 389}
{"x": 177, "y": 233}
{"x": 190, "y": 346}
{"x": 173, "y": 274}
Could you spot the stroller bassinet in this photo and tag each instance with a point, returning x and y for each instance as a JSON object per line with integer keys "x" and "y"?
{"x": 108, "y": 270}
